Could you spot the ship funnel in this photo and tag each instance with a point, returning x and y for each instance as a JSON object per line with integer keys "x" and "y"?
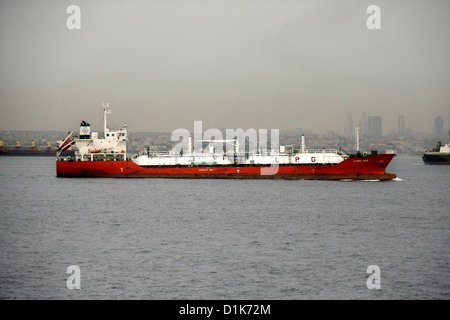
{"x": 85, "y": 130}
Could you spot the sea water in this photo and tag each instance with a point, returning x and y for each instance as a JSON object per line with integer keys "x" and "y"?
{"x": 223, "y": 239}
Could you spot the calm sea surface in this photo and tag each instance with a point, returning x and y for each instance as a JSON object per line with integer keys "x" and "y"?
{"x": 223, "y": 239}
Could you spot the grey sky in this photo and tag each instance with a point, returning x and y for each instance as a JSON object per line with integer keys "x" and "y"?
{"x": 233, "y": 64}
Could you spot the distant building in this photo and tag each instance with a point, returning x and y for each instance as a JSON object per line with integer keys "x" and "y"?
{"x": 363, "y": 124}
{"x": 374, "y": 126}
{"x": 348, "y": 126}
{"x": 439, "y": 126}
{"x": 401, "y": 126}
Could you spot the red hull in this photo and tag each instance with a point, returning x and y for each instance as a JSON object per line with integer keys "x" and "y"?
{"x": 361, "y": 168}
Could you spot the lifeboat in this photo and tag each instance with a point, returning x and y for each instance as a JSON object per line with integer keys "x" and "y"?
{"x": 95, "y": 150}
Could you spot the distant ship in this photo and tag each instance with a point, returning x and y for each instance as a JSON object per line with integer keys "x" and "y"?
{"x": 107, "y": 157}
{"x": 438, "y": 155}
{"x": 31, "y": 151}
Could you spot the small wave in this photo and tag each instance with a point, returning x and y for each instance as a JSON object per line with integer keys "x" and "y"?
{"x": 397, "y": 179}
{"x": 371, "y": 180}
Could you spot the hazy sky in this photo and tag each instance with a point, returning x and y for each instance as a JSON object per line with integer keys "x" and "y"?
{"x": 232, "y": 64}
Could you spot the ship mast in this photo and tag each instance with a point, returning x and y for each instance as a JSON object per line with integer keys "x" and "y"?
{"x": 357, "y": 138}
{"x": 106, "y": 111}
{"x": 303, "y": 143}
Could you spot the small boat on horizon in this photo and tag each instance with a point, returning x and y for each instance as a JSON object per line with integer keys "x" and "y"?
{"x": 439, "y": 155}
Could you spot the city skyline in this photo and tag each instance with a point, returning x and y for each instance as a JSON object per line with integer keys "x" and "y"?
{"x": 400, "y": 129}
{"x": 347, "y": 130}
{"x": 438, "y": 125}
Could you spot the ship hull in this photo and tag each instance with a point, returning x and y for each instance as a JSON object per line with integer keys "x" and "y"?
{"x": 436, "y": 159}
{"x": 353, "y": 168}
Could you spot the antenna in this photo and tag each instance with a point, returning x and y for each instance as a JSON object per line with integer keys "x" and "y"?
{"x": 106, "y": 111}
{"x": 357, "y": 138}
{"x": 303, "y": 143}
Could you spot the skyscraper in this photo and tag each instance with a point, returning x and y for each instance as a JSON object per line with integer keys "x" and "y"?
{"x": 363, "y": 124}
{"x": 348, "y": 126}
{"x": 374, "y": 126}
{"x": 401, "y": 126}
{"x": 438, "y": 126}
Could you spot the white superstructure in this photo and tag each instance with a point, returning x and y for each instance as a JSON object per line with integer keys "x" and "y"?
{"x": 112, "y": 146}
{"x": 89, "y": 146}
{"x": 443, "y": 150}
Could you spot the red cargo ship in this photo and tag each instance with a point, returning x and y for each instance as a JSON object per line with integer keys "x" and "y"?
{"x": 106, "y": 157}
